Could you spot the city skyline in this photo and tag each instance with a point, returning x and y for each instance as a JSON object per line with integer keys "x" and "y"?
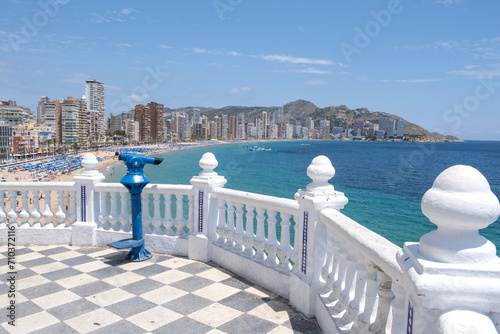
{"x": 434, "y": 63}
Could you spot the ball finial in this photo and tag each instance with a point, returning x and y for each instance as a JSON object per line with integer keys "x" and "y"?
{"x": 460, "y": 203}
{"x": 208, "y": 163}
{"x": 320, "y": 171}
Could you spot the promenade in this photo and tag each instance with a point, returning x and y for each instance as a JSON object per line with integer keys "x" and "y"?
{"x": 65, "y": 289}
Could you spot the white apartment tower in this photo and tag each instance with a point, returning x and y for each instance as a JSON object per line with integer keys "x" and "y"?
{"x": 94, "y": 92}
{"x": 279, "y": 115}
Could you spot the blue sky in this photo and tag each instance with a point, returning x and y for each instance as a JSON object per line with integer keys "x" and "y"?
{"x": 434, "y": 62}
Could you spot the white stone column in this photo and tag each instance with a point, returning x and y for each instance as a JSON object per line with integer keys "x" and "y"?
{"x": 311, "y": 250}
{"x": 452, "y": 276}
{"x": 205, "y": 209}
{"x": 84, "y": 228}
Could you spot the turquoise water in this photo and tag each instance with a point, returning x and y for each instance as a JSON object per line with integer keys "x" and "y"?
{"x": 384, "y": 182}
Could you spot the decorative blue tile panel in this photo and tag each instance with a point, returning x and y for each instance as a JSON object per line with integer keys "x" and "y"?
{"x": 304, "y": 242}
{"x": 84, "y": 207}
{"x": 200, "y": 212}
{"x": 409, "y": 323}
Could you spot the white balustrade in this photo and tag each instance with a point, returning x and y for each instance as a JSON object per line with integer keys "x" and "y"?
{"x": 350, "y": 278}
{"x": 243, "y": 223}
{"x": 361, "y": 295}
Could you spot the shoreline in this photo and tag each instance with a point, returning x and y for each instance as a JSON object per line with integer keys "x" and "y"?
{"x": 108, "y": 157}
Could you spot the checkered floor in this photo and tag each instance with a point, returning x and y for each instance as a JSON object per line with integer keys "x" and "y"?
{"x": 63, "y": 289}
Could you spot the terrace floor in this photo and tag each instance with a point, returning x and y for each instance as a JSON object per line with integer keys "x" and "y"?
{"x": 64, "y": 289}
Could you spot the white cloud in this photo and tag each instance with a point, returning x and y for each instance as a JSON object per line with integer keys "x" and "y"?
{"x": 296, "y": 60}
{"x": 161, "y": 46}
{"x": 127, "y": 45}
{"x": 127, "y": 11}
{"x": 412, "y": 80}
{"x": 316, "y": 83}
{"x": 448, "y": 2}
{"x": 311, "y": 70}
{"x": 38, "y": 72}
{"x": 212, "y": 52}
{"x": 137, "y": 98}
{"x": 239, "y": 90}
{"x": 477, "y": 74}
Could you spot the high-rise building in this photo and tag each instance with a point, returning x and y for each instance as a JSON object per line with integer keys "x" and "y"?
{"x": 40, "y": 108}
{"x": 358, "y": 127}
{"x": 95, "y": 93}
{"x": 391, "y": 128}
{"x": 232, "y": 127}
{"x": 5, "y": 141}
{"x": 383, "y": 124}
{"x": 264, "y": 125}
{"x": 224, "y": 126}
{"x": 67, "y": 120}
{"x": 151, "y": 121}
{"x": 324, "y": 129}
{"x": 13, "y": 114}
{"x": 401, "y": 128}
{"x": 279, "y": 115}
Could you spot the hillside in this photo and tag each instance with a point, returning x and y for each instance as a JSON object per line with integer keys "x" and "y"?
{"x": 341, "y": 116}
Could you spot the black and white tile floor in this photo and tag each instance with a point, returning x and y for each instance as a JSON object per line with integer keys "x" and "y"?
{"x": 63, "y": 289}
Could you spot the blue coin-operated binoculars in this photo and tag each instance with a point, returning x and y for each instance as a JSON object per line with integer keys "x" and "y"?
{"x": 135, "y": 181}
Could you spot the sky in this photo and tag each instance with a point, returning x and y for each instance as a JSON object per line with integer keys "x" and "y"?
{"x": 435, "y": 63}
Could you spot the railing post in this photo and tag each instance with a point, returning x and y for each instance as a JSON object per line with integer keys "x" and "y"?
{"x": 205, "y": 209}
{"x": 452, "y": 276}
{"x": 83, "y": 230}
{"x": 305, "y": 280}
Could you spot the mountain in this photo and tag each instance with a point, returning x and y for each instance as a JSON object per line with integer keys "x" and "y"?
{"x": 341, "y": 116}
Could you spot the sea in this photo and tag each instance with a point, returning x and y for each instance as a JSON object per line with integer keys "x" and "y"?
{"x": 384, "y": 181}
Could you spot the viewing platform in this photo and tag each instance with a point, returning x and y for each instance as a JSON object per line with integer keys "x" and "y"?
{"x": 227, "y": 261}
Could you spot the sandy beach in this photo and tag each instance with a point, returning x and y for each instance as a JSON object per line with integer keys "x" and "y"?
{"x": 106, "y": 158}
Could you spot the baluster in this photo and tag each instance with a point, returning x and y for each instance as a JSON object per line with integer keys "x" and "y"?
{"x": 398, "y": 309}
{"x": 103, "y": 212}
{"x": 221, "y": 221}
{"x": 229, "y": 225}
{"x": 239, "y": 232}
{"x": 12, "y": 215}
{"x": 284, "y": 248}
{"x": 271, "y": 245}
{"x": 146, "y": 217}
{"x": 156, "y": 221}
{"x": 180, "y": 221}
{"x": 190, "y": 221}
{"x": 359, "y": 292}
{"x": 347, "y": 293}
{"x": 249, "y": 234}
{"x": 60, "y": 215}
{"x": 332, "y": 277}
{"x": 24, "y": 215}
{"x": 385, "y": 296}
{"x": 125, "y": 220}
{"x": 3, "y": 214}
{"x": 296, "y": 241}
{"x": 113, "y": 215}
{"x": 47, "y": 212}
{"x": 370, "y": 299}
{"x": 327, "y": 268}
{"x": 168, "y": 220}
{"x": 232, "y": 209}
{"x": 72, "y": 207}
{"x": 260, "y": 238}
